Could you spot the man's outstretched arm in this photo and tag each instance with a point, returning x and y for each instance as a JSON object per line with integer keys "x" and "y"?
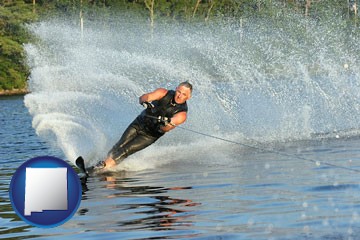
{"x": 152, "y": 96}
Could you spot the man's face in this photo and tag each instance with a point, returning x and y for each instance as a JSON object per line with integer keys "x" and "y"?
{"x": 182, "y": 94}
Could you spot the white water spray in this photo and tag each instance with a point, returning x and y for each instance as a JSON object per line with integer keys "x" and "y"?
{"x": 263, "y": 81}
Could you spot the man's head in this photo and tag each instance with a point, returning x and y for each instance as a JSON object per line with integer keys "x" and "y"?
{"x": 183, "y": 92}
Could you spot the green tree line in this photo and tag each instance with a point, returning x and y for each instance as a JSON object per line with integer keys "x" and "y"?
{"x": 15, "y": 14}
{"x": 13, "y": 71}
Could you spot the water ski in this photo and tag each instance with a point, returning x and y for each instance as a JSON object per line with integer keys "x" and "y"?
{"x": 80, "y": 163}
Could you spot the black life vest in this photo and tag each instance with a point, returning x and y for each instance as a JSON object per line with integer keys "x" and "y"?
{"x": 165, "y": 107}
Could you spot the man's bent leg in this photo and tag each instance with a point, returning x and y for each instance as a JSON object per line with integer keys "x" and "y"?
{"x": 140, "y": 142}
{"x": 129, "y": 134}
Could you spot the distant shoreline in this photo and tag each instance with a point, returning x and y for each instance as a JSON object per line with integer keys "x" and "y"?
{"x": 13, "y": 92}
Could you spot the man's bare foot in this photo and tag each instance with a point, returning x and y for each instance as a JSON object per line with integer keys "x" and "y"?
{"x": 103, "y": 165}
{"x": 109, "y": 163}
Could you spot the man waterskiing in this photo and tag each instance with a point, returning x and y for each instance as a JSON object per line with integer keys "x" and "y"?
{"x": 165, "y": 109}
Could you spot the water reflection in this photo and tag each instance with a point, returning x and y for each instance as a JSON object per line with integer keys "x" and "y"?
{"x": 10, "y": 223}
{"x": 151, "y": 207}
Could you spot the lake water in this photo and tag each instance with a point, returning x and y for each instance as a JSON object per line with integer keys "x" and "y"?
{"x": 279, "y": 95}
{"x": 238, "y": 194}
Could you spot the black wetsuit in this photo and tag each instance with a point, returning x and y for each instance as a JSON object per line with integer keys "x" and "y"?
{"x": 145, "y": 129}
